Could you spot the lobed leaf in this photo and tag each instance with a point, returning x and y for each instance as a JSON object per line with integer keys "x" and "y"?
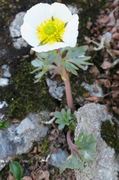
{"x": 72, "y": 162}
{"x": 86, "y": 144}
{"x": 37, "y": 63}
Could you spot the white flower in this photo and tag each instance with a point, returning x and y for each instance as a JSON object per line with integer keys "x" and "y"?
{"x": 47, "y": 27}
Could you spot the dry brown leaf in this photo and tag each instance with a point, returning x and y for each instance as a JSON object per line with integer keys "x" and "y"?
{"x": 93, "y": 99}
{"x": 115, "y": 3}
{"x": 27, "y": 178}
{"x": 40, "y": 175}
{"x": 106, "y": 65}
{"x": 115, "y": 52}
{"x": 115, "y": 109}
{"x": 115, "y": 36}
{"x": 105, "y": 82}
{"x": 94, "y": 70}
{"x": 104, "y": 20}
{"x": 112, "y": 20}
{"x": 10, "y": 177}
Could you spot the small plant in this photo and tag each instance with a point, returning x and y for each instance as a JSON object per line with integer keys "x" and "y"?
{"x": 83, "y": 153}
{"x": 16, "y": 170}
{"x": 53, "y": 36}
{"x": 4, "y": 124}
{"x": 83, "y": 150}
{"x": 64, "y": 118}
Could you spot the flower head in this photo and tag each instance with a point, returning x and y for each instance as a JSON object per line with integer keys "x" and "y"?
{"x": 47, "y": 27}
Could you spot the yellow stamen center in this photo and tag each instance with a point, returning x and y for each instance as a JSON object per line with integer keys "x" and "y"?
{"x": 51, "y": 31}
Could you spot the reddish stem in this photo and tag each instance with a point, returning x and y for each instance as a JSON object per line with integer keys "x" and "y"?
{"x": 72, "y": 146}
{"x": 68, "y": 92}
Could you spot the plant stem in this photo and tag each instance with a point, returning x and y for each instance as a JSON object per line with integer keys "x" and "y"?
{"x": 68, "y": 92}
{"x": 73, "y": 147}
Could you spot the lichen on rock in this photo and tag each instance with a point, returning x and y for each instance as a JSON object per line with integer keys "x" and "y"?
{"x": 105, "y": 166}
{"x": 19, "y": 138}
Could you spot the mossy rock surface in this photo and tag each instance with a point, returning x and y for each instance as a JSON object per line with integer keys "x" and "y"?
{"x": 23, "y": 95}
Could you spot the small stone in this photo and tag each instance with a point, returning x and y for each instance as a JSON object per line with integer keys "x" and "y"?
{"x": 93, "y": 89}
{"x": 19, "y": 138}
{"x": 56, "y": 90}
{"x": 15, "y": 32}
{"x": 107, "y": 38}
{"x": 58, "y": 158}
{"x": 6, "y": 71}
{"x": 5, "y": 75}
{"x": 4, "y": 82}
{"x": 3, "y": 104}
{"x": 73, "y": 9}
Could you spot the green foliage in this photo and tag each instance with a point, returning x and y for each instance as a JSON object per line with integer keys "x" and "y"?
{"x": 75, "y": 58}
{"x": 4, "y": 124}
{"x": 43, "y": 63}
{"x": 72, "y": 162}
{"x": 22, "y": 95}
{"x": 70, "y": 58}
{"x": 86, "y": 145}
{"x": 16, "y": 169}
{"x": 64, "y": 118}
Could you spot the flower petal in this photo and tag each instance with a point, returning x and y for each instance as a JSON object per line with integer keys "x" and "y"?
{"x": 61, "y": 11}
{"x": 38, "y": 14}
{"x": 29, "y": 34}
{"x": 47, "y": 47}
{"x": 71, "y": 31}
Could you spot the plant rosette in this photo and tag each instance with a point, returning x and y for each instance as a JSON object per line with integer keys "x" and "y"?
{"x": 48, "y": 27}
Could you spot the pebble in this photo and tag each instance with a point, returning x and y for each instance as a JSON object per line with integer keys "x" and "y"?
{"x": 15, "y": 32}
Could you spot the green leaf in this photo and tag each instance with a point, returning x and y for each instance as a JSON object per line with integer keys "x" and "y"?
{"x": 72, "y": 162}
{"x": 4, "y": 124}
{"x": 75, "y": 58}
{"x": 16, "y": 169}
{"x": 64, "y": 118}
{"x": 71, "y": 68}
{"x": 37, "y": 63}
{"x": 86, "y": 144}
{"x": 42, "y": 55}
{"x": 77, "y": 51}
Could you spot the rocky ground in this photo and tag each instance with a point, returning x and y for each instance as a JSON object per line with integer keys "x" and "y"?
{"x": 19, "y": 96}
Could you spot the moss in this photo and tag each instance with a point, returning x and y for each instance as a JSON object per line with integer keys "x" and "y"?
{"x": 23, "y": 95}
{"x": 110, "y": 134}
{"x": 44, "y": 147}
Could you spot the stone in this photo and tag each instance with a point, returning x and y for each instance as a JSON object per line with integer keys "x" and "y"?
{"x": 6, "y": 71}
{"x": 19, "y": 138}
{"x": 73, "y": 9}
{"x": 56, "y": 90}
{"x": 93, "y": 89}
{"x": 15, "y": 32}
{"x": 3, "y": 104}
{"x": 4, "y": 82}
{"x": 5, "y": 75}
{"x": 58, "y": 158}
{"x": 105, "y": 166}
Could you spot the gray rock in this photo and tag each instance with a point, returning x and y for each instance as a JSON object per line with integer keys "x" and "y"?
{"x": 58, "y": 158}
{"x": 5, "y": 75}
{"x": 19, "y": 138}
{"x": 73, "y": 9}
{"x": 93, "y": 89}
{"x": 56, "y": 90}
{"x": 4, "y": 82}
{"x": 105, "y": 166}
{"x": 15, "y": 32}
{"x": 6, "y": 71}
{"x": 3, "y": 104}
